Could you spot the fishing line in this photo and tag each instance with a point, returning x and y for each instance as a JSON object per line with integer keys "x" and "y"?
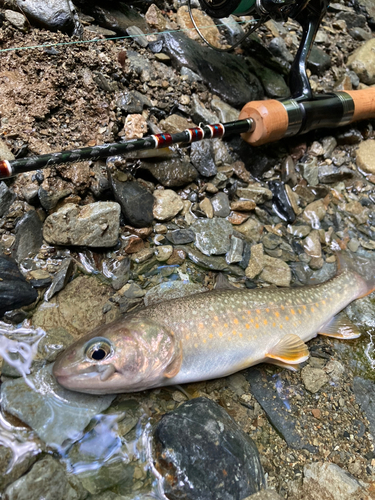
{"x": 97, "y": 40}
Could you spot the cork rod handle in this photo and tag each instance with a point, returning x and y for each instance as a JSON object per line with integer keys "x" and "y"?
{"x": 364, "y": 103}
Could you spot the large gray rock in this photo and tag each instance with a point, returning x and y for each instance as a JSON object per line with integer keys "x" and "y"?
{"x": 204, "y": 455}
{"x": 136, "y": 202}
{"x": 93, "y": 225}
{"x": 48, "y": 480}
{"x": 236, "y": 85}
{"x": 362, "y": 62}
{"x": 212, "y": 236}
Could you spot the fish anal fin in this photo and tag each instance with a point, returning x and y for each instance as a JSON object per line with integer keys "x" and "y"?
{"x": 175, "y": 366}
{"x": 290, "y": 350}
{"x": 340, "y": 327}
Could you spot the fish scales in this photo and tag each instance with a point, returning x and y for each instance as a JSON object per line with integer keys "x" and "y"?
{"x": 226, "y": 331}
{"x": 213, "y": 334}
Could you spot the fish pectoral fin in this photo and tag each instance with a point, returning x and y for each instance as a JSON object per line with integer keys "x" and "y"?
{"x": 290, "y": 350}
{"x": 340, "y": 327}
{"x": 174, "y": 367}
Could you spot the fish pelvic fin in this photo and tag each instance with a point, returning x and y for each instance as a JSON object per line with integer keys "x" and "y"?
{"x": 340, "y": 327}
{"x": 363, "y": 267}
{"x": 276, "y": 362}
{"x": 290, "y": 350}
{"x": 175, "y": 366}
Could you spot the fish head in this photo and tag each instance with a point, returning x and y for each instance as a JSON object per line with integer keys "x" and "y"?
{"x": 129, "y": 355}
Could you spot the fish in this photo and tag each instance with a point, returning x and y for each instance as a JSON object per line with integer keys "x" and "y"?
{"x": 214, "y": 334}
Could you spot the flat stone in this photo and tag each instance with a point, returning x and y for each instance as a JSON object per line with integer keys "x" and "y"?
{"x": 176, "y": 123}
{"x": 171, "y": 173}
{"x": 235, "y": 251}
{"x": 17, "y": 19}
{"x": 120, "y": 17}
{"x": 220, "y": 204}
{"x": 77, "y": 317}
{"x": 318, "y": 61}
{"x": 61, "y": 278}
{"x": 199, "y": 112}
{"x": 243, "y": 205}
{"x": 256, "y": 262}
{"x": 236, "y": 85}
{"x": 181, "y": 236}
{"x": 313, "y": 378}
{"x": 312, "y": 245}
{"x": 167, "y": 204}
{"x": 55, "y": 413}
{"x": 202, "y": 157}
{"x": 362, "y": 62}
{"x": 276, "y": 271}
{"x": 365, "y": 154}
{"x": 255, "y": 192}
{"x": 237, "y": 218}
{"x": 15, "y": 291}
{"x": 226, "y": 458}
{"x": 163, "y": 252}
{"x": 212, "y": 263}
{"x": 29, "y": 236}
{"x": 251, "y": 229}
{"x": 212, "y": 236}
{"x": 7, "y": 197}
{"x": 94, "y": 225}
{"x": 327, "y": 481}
{"x": 135, "y": 200}
{"x": 225, "y": 112}
{"x": 281, "y": 415}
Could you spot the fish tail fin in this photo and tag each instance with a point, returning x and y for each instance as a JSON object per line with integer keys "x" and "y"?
{"x": 363, "y": 266}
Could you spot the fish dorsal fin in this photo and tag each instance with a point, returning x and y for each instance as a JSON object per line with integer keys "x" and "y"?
{"x": 290, "y": 350}
{"x": 340, "y": 327}
{"x": 174, "y": 367}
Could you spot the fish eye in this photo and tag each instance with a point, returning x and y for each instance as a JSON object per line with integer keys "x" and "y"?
{"x": 98, "y": 350}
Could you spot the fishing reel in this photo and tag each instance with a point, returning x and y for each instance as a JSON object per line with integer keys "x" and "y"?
{"x": 308, "y": 13}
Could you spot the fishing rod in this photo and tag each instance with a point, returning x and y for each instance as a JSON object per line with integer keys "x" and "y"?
{"x": 260, "y": 122}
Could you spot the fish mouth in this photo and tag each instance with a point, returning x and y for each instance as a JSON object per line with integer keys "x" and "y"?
{"x": 97, "y": 373}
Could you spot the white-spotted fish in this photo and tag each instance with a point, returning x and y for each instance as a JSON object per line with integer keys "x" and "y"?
{"x": 213, "y": 334}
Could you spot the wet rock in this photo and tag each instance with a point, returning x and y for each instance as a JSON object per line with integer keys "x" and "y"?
{"x": 273, "y": 83}
{"x": 314, "y": 213}
{"x": 225, "y": 112}
{"x": 220, "y": 204}
{"x": 318, "y": 61}
{"x": 132, "y": 102}
{"x": 212, "y": 263}
{"x": 235, "y": 251}
{"x": 255, "y": 192}
{"x": 119, "y": 18}
{"x": 11, "y": 469}
{"x": 200, "y": 113}
{"x": 276, "y": 271}
{"x": 312, "y": 245}
{"x": 171, "y": 290}
{"x": 352, "y": 19}
{"x": 78, "y": 317}
{"x": 171, "y": 173}
{"x": 206, "y": 206}
{"x": 243, "y": 205}
{"x": 193, "y": 458}
{"x": 54, "y": 15}
{"x": 175, "y": 123}
{"x": 55, "y": 413}
{"x": 181, "y": 236}
{"x": 53, "y": 194}
{"x": 313, "y": 378}
{"x": 251, "y": 229}
{"x": 118, "y": 271}
{"x": 364, "y": 391}
{"x": 163, "y": 252}
{"x": 136, "y": 202}
{"x": 281, "y": 415}
{"x": 279, "y": 48}
{"x": 61, "y": 278}
{"x": 255, "y": 265}
{"x": 7, "y": 197}
{"x": 366, "y": 153}
{"x": 93, "y": 225}
{"x": 167, "y": 204}
{"x": 328, "y": 174}
{"x": 362, "y": 62}
{"x": 327, "y": 481}
{"x": 310, "y": 171}
{"x": 202, "y": 157}
{"x": 281, "y": 203}
{"x": 212, "y": 236}
{"x": 236, "y": 85}
{"x": 15, "y": 291}
{"x": 29, "y": 236}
